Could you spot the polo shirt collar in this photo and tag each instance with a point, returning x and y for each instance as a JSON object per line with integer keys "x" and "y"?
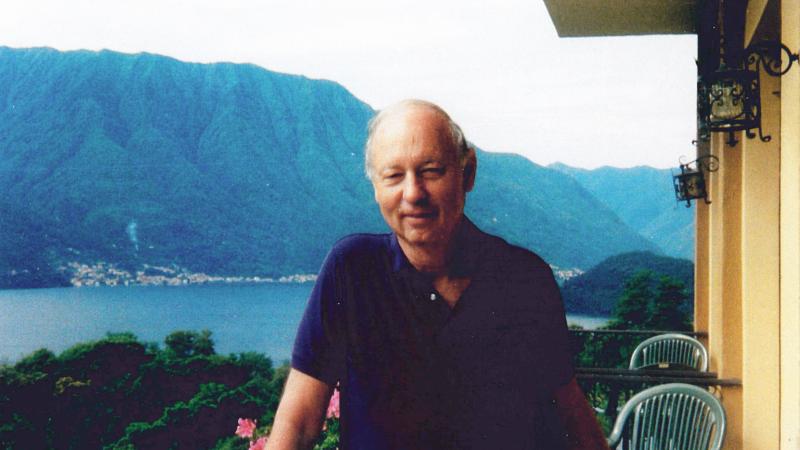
{"x": 465, "y": 256}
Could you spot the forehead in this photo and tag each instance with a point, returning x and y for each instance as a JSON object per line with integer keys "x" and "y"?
{"x": 412, "y": 132}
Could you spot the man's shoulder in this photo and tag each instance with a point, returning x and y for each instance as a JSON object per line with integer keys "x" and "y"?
{"x": 523, "y": 275}
{"x": 359, "y": 245}
{"x": 510, "y": 256}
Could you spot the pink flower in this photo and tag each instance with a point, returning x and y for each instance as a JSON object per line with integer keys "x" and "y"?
{"x": 245, "y": 428}
{"x": 259, "y": 444}
{"x": 333, "y": 406}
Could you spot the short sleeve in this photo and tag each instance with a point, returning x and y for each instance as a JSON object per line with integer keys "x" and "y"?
{"x": 318, "y": 347}
{"x": 531, "y": 280}
{"x": 559, "y": 357}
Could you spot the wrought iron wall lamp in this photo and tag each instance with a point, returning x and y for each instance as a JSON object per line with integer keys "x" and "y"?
{"x": 729, "y": 99}
{"x": 690, "y": 184}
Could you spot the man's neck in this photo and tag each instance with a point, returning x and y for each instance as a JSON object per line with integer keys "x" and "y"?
{"x": 430, "y": 259}
{"x": 436, "y": 262}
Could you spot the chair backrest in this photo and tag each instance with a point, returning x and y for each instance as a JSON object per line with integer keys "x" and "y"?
{"x": 671, "y": 350}
{"x": 672, "y": 416}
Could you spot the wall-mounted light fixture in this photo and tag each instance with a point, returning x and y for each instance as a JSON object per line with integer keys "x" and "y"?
{"x": 690, "y": 184}
{"x": 729, "y": 99}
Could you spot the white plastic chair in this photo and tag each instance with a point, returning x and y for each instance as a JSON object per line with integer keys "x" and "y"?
{"x": 672, "y": 416}
{"x": 670, "y": 350}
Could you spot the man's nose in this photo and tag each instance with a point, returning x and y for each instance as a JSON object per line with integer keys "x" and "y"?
{"x": 414, "y": 190}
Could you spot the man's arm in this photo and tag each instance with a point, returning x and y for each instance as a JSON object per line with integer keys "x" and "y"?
{"x": 300, "y": 413}
{"x": 583, "y": 431}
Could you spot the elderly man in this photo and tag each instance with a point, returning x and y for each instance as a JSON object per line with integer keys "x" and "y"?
{"x": 439, "y": 335}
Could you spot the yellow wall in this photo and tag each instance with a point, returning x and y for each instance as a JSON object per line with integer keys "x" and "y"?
{"x": 715, "y": 269}
{"x": 760, "y": 268}
{"x": 701, "y": 253}
{"x": 790, "y": 236}
{"x": 725, "y": 307}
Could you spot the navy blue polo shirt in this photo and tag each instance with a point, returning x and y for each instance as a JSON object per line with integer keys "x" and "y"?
{"x": 416, "y": 374}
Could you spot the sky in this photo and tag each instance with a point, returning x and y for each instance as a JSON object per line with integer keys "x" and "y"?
{"x": 499, "y": 68}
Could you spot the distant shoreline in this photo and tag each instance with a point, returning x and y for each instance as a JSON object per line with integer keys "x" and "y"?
{"x": 107, "y": 274}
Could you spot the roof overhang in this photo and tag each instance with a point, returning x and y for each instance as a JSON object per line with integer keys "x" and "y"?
{"x": 584, "y": 18}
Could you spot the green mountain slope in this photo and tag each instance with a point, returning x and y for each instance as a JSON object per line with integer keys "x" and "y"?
{"x": 643, "y": 197}
{"x": 26, "y": 251}
{"x": 596, "y": 291}
{"x": 231, "y": 169}
{"x": 544, "y": 210}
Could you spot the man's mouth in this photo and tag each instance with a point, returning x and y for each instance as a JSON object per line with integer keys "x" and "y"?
{"x": 420, "y": 215}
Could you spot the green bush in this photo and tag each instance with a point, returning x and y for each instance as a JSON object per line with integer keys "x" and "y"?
{"x": 119, "y": 393}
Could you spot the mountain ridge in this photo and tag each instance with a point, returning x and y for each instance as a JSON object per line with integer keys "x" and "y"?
{"x": 653, "y": 213}
{"x": 231, "y": 169}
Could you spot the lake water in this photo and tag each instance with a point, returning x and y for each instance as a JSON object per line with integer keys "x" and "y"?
{"x": 242, "y": 317}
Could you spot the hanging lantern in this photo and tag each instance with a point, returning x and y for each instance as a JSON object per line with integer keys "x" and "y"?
{"x": 690, "y": 184}
{"x": 729, "y": 99}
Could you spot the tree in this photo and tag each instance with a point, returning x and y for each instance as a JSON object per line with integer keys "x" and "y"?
{"x": 38, "y": 361}
{"x": 667, "y": 310}
{"x": 632, "y": 310}
{"x": 183, "y": 344}
{"x": 203, "y": 344}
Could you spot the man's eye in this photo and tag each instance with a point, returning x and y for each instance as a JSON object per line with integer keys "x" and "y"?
{"x": 432, "y": 172}
{"x": 392, "y": 176}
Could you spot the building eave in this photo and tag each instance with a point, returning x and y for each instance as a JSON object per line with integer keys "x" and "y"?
{"x": 585, "y": 18}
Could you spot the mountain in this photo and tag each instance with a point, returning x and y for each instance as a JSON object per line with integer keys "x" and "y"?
{"x": 231, "y": 169}
{"x": 596, "y": 291}
{"x": 25, "y": 251}
{"x": 643, "y": 197}
{"x": 548, "y": 212}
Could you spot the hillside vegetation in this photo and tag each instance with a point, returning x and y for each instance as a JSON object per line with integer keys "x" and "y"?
{"x": 119, "y": 393}
{"x": 597, "y": 291}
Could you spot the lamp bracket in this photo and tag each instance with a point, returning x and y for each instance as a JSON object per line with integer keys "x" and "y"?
{"x": 709, "y": 163}
{"x": 774, "y": 56}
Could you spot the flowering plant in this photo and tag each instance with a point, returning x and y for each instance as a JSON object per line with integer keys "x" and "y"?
{"x": 246, "y": 429}
{"x": 333, "y": 407}
{"x": 330, "y": 428}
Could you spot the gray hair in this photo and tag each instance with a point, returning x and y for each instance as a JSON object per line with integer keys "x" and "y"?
{"x": 458, "y": 140}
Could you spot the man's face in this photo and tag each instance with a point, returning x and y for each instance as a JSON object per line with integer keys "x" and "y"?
{"x": 419, "y": 184}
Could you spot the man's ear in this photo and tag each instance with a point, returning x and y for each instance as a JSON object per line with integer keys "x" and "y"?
{"x": 470, "y": 169}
